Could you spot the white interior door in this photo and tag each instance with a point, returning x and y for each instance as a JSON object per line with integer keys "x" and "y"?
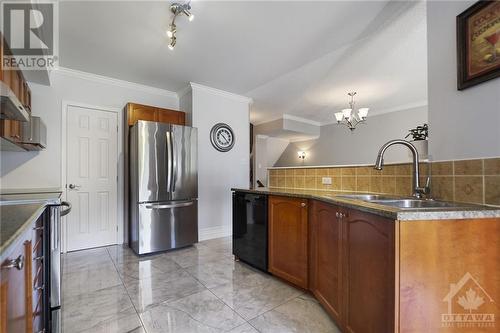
{"x": 91, "y": 177}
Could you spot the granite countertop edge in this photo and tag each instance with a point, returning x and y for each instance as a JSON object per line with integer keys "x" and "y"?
{"x": 465, "y": 212}
{"x": 37, "y": 212}
{"x": 11, "y": 222}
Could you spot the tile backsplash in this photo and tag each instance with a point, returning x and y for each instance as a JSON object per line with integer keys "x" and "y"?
{"x": 470, "y": 181}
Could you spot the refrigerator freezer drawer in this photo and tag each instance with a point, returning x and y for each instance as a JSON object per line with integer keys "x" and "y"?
{"x": 165, "y": 225}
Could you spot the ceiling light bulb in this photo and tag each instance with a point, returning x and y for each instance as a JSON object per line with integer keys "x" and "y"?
{"x": 363, "y": 112}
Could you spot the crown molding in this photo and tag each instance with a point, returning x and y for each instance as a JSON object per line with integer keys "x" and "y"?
{"x": 289, "y": 117}
{"x": 184, "y": 91}
{"x": 112, "y": 81}
{"x": 300, "y": 119}
{"x": 222, "y": 93}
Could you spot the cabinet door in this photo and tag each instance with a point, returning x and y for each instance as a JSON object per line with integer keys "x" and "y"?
{"x": 369, "y": 273}
{"x": 170, "y": 117}
{"x": 27, "y": 97}
{"x": 10, "y": 129}
{"x": 16, "y": 292}
{"x": 325, "y": 264}
{"x": 150, "y": 113}
{"x": 140, "y": 112}
{"x": 288, "y": 239}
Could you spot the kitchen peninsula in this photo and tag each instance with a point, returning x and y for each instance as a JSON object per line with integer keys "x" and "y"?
{"x": 376, "y": 267}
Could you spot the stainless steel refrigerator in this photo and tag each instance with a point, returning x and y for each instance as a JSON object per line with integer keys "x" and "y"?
{"x": 163, "y": 187}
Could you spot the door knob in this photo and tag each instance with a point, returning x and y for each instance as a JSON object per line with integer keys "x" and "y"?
{"x": 73, "y": 186}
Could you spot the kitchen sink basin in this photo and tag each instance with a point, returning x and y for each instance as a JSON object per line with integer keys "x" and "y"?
{"x": 402, "y": 203}
{"x": 415, "y": 203}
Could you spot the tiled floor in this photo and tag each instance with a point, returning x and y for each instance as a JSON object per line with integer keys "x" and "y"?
{"x": 196, "y": 289}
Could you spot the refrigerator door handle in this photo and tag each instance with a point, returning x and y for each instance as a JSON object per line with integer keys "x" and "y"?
{"x": 174, "y": 162}
{"x": 168, "y": 148}
{"x": 170, "y": 205}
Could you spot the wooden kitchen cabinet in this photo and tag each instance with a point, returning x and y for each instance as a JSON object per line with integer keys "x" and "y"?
{"x": 13, "y": 79}
{"x": 374, "y": 274}
{"x": 368, "y": 272}
{"x": 325, "y": 259}
{"x": 22, "y": 282}
{"x": 137, "y": 112}
{"x": 11, "y": 129}
{"x": 16, "y": 302}
{"x": 288, "y": 239}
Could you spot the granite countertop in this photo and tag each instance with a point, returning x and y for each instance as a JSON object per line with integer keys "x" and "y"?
{"x": 15, "y": 219}
{"x": 462, "y": 211}
{"x": 30, "y": 190}
{"x": 19, "y": 210}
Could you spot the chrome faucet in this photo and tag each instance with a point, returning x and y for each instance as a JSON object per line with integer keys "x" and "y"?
{"x": 418, "y": 191}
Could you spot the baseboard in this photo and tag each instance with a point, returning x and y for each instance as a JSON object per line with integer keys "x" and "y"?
{"x": 214, "y": 232}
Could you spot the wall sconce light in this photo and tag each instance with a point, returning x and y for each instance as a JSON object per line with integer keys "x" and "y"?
{"x": 302, "y": 154}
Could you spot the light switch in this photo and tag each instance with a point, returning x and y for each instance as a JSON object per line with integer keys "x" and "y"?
{"x": 326, "y": 180}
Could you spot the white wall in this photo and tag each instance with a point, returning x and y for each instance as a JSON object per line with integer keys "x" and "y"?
{"x": 463, "y": 124}
{"x": 218, "y": 172}
{"x": 43, "y": 169}
{"x": 186, "y": 105}
{"x": 267, "y": 150}
{"x": 339, "y": 146}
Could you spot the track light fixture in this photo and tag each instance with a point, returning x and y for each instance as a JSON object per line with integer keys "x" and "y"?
{"x": 177, "y": 9}
{"x": 171, "y": 32}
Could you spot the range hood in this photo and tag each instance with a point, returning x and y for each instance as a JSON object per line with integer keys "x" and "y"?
{"x": 10, "y": 106}
{"x": 34, "y": 134}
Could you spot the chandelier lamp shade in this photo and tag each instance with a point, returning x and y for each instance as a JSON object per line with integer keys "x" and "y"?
{"x": 349, "y": 117}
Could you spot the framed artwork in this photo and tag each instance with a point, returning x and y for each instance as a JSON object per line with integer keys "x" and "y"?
{"x": 478, "y": 44}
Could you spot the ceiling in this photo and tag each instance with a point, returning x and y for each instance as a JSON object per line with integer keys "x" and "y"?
{"x": 293, "y": 57}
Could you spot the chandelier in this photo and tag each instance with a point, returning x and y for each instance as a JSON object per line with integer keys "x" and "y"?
{"x": 176, "y": 9}
{"x": 348, "y": 117}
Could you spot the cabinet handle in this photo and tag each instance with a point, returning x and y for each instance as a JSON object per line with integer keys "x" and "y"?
{"x": 303, "y": 204}
{"x": 38, "y": 258}
{"x": 17, "y": 263}
{"x": 337, "y": 214}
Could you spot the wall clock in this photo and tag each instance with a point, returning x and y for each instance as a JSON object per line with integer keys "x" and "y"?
{"x": 222, "y": 137}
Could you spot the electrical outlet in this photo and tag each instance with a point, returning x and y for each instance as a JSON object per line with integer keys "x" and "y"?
{"x": 326, "y": 180}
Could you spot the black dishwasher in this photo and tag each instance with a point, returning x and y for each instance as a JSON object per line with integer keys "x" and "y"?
{"x": 250, "y": 229}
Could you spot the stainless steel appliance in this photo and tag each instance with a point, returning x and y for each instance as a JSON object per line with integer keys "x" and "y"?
{"x": 163, "y": 187}
{"x": 250, "y": 229}
{"x": 34, "y": 134}
{"x": 53, "y": 230}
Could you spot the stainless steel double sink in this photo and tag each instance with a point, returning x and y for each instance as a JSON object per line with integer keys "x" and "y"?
{"x": 403, "y": 203}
